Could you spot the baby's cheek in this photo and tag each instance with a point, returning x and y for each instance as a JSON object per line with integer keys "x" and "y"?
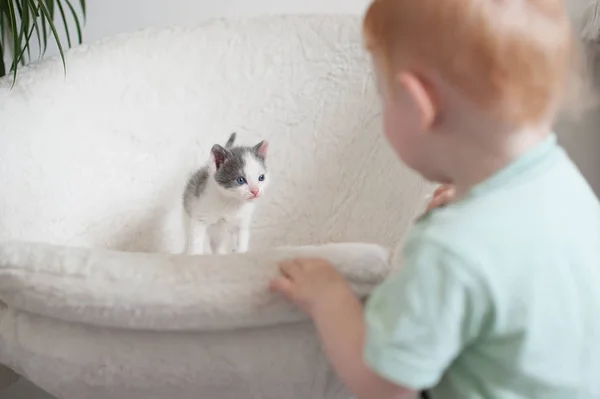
{"x": 391, "y": 127}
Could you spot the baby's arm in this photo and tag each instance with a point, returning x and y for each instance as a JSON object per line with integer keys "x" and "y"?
{"x": 341, "y": 328}
{"x": 414, "y": 326}
{"x": 321, "y": 292}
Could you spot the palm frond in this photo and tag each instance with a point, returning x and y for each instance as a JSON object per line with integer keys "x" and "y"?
{"x": 76, "y": 20}
{"x": 2, "y": 40}
{"x": 83, "y": 10}
{"x": 64, "y": 20}
{"x": 18, "y": 56}
{"x": 36, "y": 25}
{"x": 49, "y": 18}
{"x": 44, "y": 26}
{"x": 2, "y": 67}
{"x": 19, "y": 19}
{"x": 14, "y": 32}
{"x": 2, "y": 26}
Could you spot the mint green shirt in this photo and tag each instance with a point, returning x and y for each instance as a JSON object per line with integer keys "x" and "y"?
{"x": 498, "y": 295}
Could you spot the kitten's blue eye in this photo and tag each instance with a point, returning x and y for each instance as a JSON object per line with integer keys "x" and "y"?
{"x": 261, "y": 178}
{"x": 241, "y": 181}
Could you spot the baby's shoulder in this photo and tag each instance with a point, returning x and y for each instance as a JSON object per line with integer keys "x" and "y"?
{"x": 474, "y": 235}
{"x": 465, "y": 220}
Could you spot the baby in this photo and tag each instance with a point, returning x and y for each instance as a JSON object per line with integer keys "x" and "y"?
{"x": 498, "y": 295}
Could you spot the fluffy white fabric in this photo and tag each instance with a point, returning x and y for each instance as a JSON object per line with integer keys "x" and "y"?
{"x": 92, "y": 168}
{"x": 160, "y": 292}
{"x": 99, "y": 158}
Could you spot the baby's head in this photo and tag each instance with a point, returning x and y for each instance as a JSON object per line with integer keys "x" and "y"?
{"x": 457, "y": 67}
{"x": 240, "y": 172}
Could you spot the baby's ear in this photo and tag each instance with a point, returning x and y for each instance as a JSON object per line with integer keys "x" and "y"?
{"x": 218, "y": 155}
{"x": 261, "y": 149}
{"x": 422, "y": 98}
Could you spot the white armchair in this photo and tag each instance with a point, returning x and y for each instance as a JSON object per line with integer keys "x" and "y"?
{"x": 92, "y": 165}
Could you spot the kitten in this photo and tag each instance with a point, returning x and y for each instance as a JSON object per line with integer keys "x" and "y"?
{"x": 220, "y": 197}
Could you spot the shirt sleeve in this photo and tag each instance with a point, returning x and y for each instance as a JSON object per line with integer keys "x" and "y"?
{"x": 421, "y": 319}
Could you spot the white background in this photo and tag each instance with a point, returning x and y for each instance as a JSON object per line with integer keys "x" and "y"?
{"x": 108, "y": 17}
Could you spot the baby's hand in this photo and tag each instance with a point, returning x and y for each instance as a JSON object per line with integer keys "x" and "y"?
{"x": 443, "y": 195}
{"x": 311, "y": 284}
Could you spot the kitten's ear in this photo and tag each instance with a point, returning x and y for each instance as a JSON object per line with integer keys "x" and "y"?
{"x": 261, "y": 149}
{"x": 218, "y": 155}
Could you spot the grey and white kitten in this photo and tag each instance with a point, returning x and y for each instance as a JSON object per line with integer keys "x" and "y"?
{"x": 219, "y": 198}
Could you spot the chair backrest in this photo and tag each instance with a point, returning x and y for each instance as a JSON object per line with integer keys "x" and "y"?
{"x": 99, "y": 157}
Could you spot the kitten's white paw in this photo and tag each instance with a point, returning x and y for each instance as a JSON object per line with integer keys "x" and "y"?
{"x": 239, "y": 250}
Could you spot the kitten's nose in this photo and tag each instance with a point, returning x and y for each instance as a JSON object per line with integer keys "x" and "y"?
{"x": 254, "y": 191}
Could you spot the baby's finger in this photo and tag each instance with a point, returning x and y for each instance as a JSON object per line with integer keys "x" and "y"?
{"x": 291, "y": 269}
{"x": 440, "y": 199}
{"x": 440, "y": 189}
{"x": 432, "y": 205}
{"x": 446, "y": 196}
{"x": 436, "y": 202}
{"x": 283, "y": 286}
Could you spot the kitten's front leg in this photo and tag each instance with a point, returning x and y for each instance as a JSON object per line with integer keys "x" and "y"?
{"x": 241, "y": 236}
{"x": 217, "y": 234}
{"x": 196, "y": 237}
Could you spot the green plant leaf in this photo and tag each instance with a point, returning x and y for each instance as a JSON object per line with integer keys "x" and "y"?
{"x": 36, "y": 15}
{"x": 44, "y": 25}
{"x": 2, "y": 31}
{"x": 26, "y": 26}
{"x": 84, "y": 10}
{"x": 2, "y": 66}
{"x": 50, "y": 7}
{"x": 45, "y": 12}
{"x": 64, "y": 19}
{"x": 25, "y": 22}
{"x": 19, "y": 57}
{"x": 14, "y": 32}
{"x": 19, "y": 19}
{"x": 76, "y": 20}
{"x": 3, "y": 34}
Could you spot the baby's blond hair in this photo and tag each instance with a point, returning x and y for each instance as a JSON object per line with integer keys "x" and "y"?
{"x": 514, "y": 58}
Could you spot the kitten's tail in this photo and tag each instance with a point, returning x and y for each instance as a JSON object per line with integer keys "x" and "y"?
{"x": 229, "y": 143}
